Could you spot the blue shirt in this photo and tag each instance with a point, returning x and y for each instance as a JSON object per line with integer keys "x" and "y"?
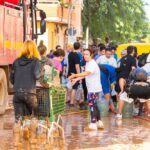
{"x": 111, "y": 72}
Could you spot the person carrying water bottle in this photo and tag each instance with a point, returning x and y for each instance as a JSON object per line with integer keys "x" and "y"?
{"x": 92, "y": 77}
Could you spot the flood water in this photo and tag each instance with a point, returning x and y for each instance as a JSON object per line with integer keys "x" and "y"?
{"x": 133, "y": 134}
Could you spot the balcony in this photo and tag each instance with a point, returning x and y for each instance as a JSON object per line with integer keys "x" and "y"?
{"x": 54, "y": 11}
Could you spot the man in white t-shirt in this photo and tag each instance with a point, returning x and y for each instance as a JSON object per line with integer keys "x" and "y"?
{"x": 107, "y": 58}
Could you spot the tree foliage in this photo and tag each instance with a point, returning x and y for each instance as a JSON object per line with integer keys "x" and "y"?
{"x": 121, "y": 20}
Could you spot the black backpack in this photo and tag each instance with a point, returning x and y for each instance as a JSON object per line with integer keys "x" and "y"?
{"x": 142, "y": 59}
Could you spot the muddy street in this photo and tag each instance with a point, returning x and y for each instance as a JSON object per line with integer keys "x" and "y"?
{"x": 133, "y": 134}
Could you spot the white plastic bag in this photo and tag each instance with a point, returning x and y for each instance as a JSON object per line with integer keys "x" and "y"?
{"x": 125, "y": 98}
{"x": 79, "y": 92}
{"x": 69, "y": 85}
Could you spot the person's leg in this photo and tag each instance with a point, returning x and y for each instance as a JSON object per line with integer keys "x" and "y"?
{"x": 107, "y": 93}
{"x": 107, "y": 90}
{"x": 73, "y": 92}
{"x": 122, "y": 83}
{"x": 68, "y": 98}
{"x": 99, "y": 123}
{"x": 34, "y": 105}
{"x": 31, "y": 104}
{"x": 18, "y": 107}
{"x": 140, "y": 109}
{"x": 108, "y": 98}
{"x": 148, "y": 107}
{"x": 120, "y": 89}
{"x": 121, "y": 104}
{"x": 84, "y": 90}
{"x": 114, "y": 99}
{"x": 93, "y": 107}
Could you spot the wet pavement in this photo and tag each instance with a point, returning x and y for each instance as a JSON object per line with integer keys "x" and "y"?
{"x": 133, "y": 134}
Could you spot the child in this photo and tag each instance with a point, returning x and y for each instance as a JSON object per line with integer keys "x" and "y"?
{"x": 92, "y": 77}
{"x": 56, "y": 61}
{"x": 46, "y": 68}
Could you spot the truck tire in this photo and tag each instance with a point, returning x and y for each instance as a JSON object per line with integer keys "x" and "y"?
{"x": 3, "y": 92}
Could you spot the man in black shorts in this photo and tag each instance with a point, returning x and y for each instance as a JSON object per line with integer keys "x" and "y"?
{"x": 127, "y": 63}
{"x": 74, "y": 67}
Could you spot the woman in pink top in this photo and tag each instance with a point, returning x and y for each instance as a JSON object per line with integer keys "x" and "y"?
{"x": 56, "y": 61}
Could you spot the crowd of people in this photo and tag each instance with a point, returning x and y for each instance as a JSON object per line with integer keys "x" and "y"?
{"x": 87, "y": 74}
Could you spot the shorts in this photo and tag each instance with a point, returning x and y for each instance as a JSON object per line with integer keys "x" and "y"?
{"x": 117, "y": 87}
{"x": 75, "y": 86}
{"x": 105, "y": 83}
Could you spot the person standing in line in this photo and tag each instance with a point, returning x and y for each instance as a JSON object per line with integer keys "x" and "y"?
{"x": 92, "y": 77}
{"x": 25, "y": 71}
{"x": 74, "y": 67}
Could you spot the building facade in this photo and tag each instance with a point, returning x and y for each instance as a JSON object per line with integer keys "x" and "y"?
{"x": 61, "y": 15}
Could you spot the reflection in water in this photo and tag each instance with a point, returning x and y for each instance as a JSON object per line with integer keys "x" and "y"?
{"x": 133, "y": 134}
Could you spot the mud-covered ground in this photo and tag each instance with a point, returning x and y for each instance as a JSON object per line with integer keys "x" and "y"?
{"x": 133, "y": 134}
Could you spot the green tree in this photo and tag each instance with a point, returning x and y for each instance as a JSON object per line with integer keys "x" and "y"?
{"x": 122, "y": 20}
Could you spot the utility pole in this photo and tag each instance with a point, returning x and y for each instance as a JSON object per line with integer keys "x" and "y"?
{"x": 71, "y": 6}
{"x": 87, "y": 28}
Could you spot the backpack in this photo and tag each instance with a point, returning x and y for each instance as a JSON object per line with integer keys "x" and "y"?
{"x": 142, "y": 60}
{"x": 137, "y": 90}
{"x": 47, "y": 71}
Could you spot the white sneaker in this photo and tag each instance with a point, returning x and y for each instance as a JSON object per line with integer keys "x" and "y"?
{"x": 119, "y": 116}
{"x": 119, "y": 122}
{"x": 92, "y": 126}
{"x": 100, "y": 124}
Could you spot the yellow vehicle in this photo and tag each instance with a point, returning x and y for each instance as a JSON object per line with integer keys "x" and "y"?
{"x": 141, "y": 48}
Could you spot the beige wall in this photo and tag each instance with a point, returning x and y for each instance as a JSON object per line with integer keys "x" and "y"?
{"x": 57, "y": 21}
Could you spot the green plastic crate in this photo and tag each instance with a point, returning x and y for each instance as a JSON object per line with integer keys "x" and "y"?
{"x": 57, "y": 101}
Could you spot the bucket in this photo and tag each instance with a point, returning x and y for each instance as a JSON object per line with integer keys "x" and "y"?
{"x": 103, "y": 106}
{"x": 127, "y": 110}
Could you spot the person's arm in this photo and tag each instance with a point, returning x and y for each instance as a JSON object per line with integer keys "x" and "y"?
{"x": 114, "y": 63}
{"x": 12, "y": 74}
{"x": 98, "y": 61}
{"x": 73, "y": 81}
{"x": 37, "y": 70}
{"x": 77, "y": 66}
{"x": 80, "y": 75}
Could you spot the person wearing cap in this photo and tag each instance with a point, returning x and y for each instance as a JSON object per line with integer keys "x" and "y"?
{"x": 123, "y": 53}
